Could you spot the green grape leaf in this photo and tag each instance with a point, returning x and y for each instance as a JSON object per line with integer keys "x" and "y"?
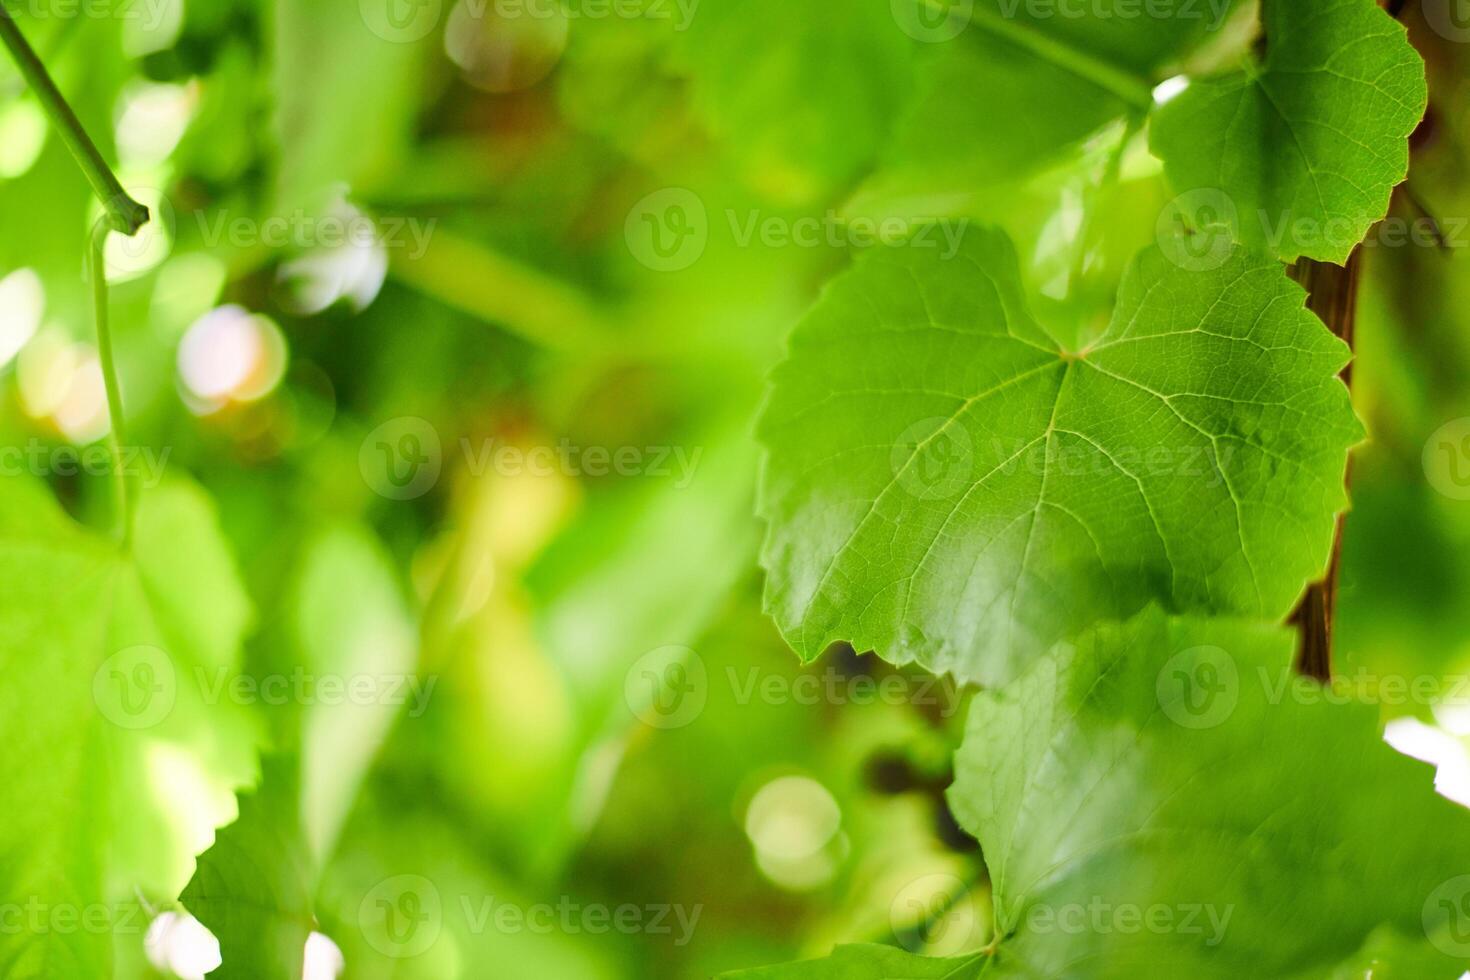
{"x": 1127, "y": 831}
{"x": 1049, "y": 82}
{"x": 1118, "y": 780}
{"x": 99, "y": 649}
{"x": 946, "y": 485}
{"x": 1300, "y": 153}
{"x": 1387, "y": 955}
{"x": 253, "y": 888}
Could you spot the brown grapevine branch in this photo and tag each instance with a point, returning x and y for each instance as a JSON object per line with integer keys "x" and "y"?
{"x": 1332, "y": 294}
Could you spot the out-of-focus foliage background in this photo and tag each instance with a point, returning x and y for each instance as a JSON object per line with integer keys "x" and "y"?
{"x": 526, "y": 176}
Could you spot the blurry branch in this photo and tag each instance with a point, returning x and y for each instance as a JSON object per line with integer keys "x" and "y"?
{"x": 470, "y": 277}
{"x": 125, "y": 214}
{"x": 1418, "y": 205}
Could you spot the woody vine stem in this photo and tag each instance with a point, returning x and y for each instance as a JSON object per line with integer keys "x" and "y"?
{"x": 120, "y": 213}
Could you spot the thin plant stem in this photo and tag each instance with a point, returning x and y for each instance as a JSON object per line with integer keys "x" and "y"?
{"x": 97, "y": 271}
{"x": 123, "y": 213}
{"x": 120, "y": 213}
